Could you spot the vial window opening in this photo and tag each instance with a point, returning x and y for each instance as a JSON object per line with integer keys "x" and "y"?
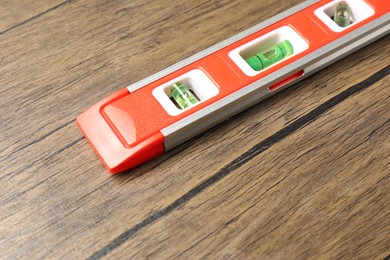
{"x": 342, "y": 14}
{"x": 182, "y": 95}
{"x": 268, "y": 50}
{"x": 338, "y": 15}
{"x": 185, "y": 91}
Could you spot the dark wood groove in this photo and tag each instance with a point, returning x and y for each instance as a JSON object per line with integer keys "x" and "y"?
{"x": 34, "y": 17}
{"x": 36, "y": 141}
{"x": 16, "y": 172}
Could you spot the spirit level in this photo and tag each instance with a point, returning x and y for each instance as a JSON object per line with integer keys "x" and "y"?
{"x": 164, "y": 110}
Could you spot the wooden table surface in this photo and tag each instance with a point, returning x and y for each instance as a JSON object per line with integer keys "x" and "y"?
{"x": 302, "y": 175}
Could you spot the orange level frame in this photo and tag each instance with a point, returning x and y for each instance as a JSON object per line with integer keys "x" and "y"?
{"x": 125, "y": 128}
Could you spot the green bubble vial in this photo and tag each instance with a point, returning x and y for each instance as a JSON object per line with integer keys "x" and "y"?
{"x": 342, "y": 15}
{"x": 265, "y": 59}
{"x": 183, "y": 96}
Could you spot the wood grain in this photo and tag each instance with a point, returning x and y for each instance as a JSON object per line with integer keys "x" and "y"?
{"x": 303, "y": 174}
{"x": 18, "y": 13}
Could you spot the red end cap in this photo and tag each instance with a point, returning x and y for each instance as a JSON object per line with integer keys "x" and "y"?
{"x": 116, "y": 155}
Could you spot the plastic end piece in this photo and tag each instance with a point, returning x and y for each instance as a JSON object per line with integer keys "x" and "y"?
{"x": 116, "y": 156}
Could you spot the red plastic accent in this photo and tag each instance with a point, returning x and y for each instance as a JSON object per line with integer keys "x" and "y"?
{"x": 115, "y": 154}
{"x": 286, "y": 80}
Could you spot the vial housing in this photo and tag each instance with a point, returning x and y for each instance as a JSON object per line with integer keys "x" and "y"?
{"x": 342, "y": 15}
{"x": 266, "y": 58}
{"x": 183, "y": 96}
